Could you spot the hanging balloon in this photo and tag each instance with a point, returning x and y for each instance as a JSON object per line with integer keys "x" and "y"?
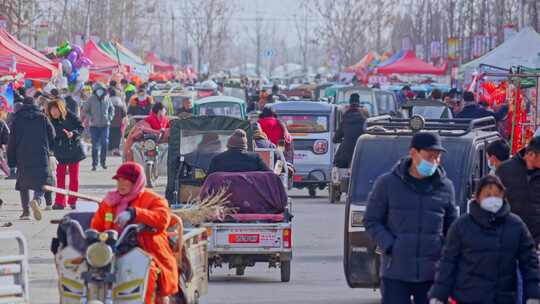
{"x": 74, "y": 75}
{"x": 83, "y": 62}
{"x": 63, "y": 49}
{"x": 77, "y": 49}
{"x": 73, "y": 57}
{"x": 67, "y": 67}
{"x": 84, "y": 74}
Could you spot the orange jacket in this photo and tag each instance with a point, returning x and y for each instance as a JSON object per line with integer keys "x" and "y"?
{"x": 153, "y": 211}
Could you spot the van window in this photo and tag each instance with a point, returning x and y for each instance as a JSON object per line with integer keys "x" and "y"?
{"x": 306, "y": 123}
{"x": 385, "y": 103}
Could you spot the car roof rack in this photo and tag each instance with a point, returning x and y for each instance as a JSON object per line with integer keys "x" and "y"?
{"x": 387, "y": 125}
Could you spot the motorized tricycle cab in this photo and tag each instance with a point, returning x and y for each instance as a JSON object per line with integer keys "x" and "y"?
{"x": 193, "y": 142}
{"x": 220, "y": 106}
{"x": 311, "y": 124}
{"x": 385, "y": 142}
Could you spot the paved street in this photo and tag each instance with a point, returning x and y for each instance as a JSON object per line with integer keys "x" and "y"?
{"x": 317, "y": 272}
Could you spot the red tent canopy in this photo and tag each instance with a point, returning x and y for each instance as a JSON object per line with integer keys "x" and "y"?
{"x": 159, "y": 66}
{"x": 409, "y": 64}
{"x": 101, "y": 60}
{"x": 28, "y": 61}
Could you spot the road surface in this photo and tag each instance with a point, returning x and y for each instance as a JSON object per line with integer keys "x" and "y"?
{"x": 317, "y": 271}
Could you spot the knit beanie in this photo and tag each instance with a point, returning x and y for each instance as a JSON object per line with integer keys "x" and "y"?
{"x": 238, "y": 140}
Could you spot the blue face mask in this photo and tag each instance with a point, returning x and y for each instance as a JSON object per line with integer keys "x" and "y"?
{"x": 425, "y": 168}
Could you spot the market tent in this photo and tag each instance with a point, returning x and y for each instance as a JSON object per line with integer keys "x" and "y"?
{"x": 397, "y": 56}
{"x": 363, "y": 63}
{"x": 100, "y": 59}
{"x": 159, "y": 66}
{"x": 409, "y": 64}
{"x": 125, "y": 57}
{"x": 26, "y": 60}
{"x": 522, "y": 49}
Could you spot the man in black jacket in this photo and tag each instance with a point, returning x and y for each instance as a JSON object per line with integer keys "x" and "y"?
{"x": 521, "y": 177}
{"x": 236, "y": 158}
{"x": 32, "y": 135}
{"x": 351, "y": 127}
{"x": 472, "y": 109}
{"x": 409, "y": 211}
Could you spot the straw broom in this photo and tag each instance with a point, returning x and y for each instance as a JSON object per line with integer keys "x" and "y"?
{"x": 213, "y": 206}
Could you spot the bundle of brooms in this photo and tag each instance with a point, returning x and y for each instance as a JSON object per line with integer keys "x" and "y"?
{"x": 211, "y": 207}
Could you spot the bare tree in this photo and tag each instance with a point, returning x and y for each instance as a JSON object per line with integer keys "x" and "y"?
{"x": 304, "y": 33}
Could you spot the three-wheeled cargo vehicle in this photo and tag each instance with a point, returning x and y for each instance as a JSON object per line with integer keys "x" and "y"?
{"x": 311, "y": 125}
{"x": 261, "y": 228}
{"x": 386, "y": 141}
{"x": 108, "y": 267}
{"x": 220, "y": 106}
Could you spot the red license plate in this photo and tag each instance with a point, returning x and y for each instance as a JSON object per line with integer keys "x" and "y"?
{"x": 297, "y": 178}
{"x": 244, "y": 238}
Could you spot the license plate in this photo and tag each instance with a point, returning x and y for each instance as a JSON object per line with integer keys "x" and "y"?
{"x": 244, "y": 238}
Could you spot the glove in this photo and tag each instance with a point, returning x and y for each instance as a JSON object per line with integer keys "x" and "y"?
{"x": 533, "y": 301}
{"x": 437, "y": 301}
{"x": 123, "y": 218}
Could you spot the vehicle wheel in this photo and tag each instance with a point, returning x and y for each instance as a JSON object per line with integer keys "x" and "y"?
{"x": 150, "y": 176}
{"x": 285, "y": 271}
{"x": 334, "y": 194}
{"x": 312, "y": 192}
{"x": 240, "y": 271}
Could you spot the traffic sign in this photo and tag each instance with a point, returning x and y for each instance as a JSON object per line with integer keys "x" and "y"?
{"x": 269, "y": 52}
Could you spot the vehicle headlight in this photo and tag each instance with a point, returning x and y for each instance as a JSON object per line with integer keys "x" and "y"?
{"x": 99, "y": 255}
{"x": 199, "y": 174}
{"x": 149, "y": 145}
{"x": 357, "y": 219}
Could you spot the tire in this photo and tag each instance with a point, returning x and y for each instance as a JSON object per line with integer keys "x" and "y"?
{"x": 334, "y": 194}
{"x": 312, "y": 192}
{"x": 240, "y": 271}
{"x": 285, "y": 268}
{"x": 150, "y": 176}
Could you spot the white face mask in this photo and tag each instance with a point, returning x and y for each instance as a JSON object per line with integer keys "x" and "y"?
{"x": 491, "y": 204}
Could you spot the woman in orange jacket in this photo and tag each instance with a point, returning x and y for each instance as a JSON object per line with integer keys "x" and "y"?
{"x": 131, "y": 203}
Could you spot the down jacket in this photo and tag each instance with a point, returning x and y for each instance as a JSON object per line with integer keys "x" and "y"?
{"x": 408, "y": 219}
{"x": 479, "y": 259}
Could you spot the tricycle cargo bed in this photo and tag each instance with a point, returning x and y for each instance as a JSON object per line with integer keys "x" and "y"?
{"x": 249, "y": 238}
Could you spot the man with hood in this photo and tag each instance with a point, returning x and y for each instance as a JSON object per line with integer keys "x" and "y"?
{"x": 99, "y": 111}
{"x": 31, "y": 137}
{"x": 351, "y": 127}
{"x": 521, "y": 177}
{"x": 409, "y": 211}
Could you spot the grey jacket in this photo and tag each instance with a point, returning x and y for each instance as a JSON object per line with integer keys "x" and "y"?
{"x": 100, "y": 112}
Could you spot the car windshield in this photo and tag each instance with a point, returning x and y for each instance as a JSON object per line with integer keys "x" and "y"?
{"x": 369, "y": 165}
{"x": 199, "y": 147}
{"x": 431, "y": 112}
{"x": 366, "y": 99}
{"x": 221, "y": 109}
{"x": 306, "y": 123}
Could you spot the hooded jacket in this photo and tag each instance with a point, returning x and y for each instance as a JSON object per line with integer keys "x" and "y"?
{"x": 351, "y": 127}
{"x": 522, "y": 191}
{"x": 32, "y": 135}
{"x": 408, "y": 219}
{"x": 99, "y": 110}
{"x": 479, "y": 259}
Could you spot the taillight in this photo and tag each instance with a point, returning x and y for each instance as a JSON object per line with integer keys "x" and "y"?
{"x": 287, "y": 238}
{"x": 320, "y": 146}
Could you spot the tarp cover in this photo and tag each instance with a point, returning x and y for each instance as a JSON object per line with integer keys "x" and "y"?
{"x": 250, "y": 192}
{"x": 32, "y": 63}
{"x": 409, "y": 64}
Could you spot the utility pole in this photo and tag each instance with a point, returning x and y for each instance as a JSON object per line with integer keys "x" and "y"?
{"x": 87, "y": 30}
{"x": 173, "y": 34}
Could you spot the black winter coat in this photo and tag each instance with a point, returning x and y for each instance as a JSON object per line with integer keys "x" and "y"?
{"x": 31, "y": 136}
{"x": 408, "y": 219}
{"x": 237, "y": 161}
{"x": 480, "y": 256}
{"x": 351, "y": 127}
{"x": 4, "y": 133}
{"x": 475, "y": 111}
{"x": 522, "y": 191}
{"x": 66, "y": 150}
